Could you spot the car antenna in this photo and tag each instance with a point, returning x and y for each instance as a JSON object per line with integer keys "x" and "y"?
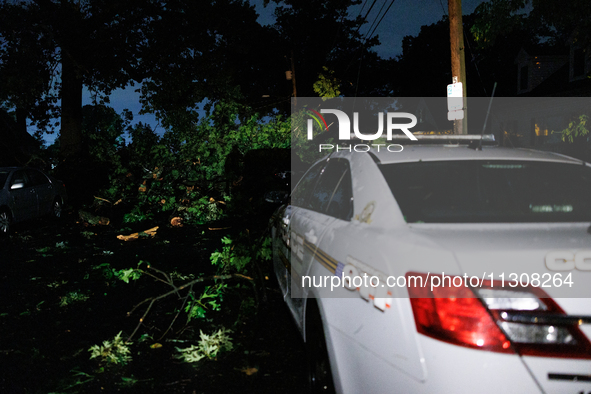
{"x": 486, "y": 119}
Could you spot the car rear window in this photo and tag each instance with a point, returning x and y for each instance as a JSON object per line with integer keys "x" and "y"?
{"x": 3, "y": 176}
{"x": 478, "y": 191}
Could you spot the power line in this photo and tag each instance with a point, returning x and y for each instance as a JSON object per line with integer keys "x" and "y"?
{"x": 442, "y": 7}
{"x": 365, "y": 17}
{"x": 388, "y": 9}
{"x": 358, "y": 27}
{"x": 377, "y": 16}
{"x": 367, "y": 37}
{"x": 362, "y": 7}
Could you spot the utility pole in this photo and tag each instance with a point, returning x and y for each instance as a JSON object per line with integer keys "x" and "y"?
{"x": 458, "y": 59}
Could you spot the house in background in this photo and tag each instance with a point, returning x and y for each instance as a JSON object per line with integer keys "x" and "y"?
{"x": 552, "y": 71}
{"x": 553, "y": 90}
{"x": 537, "y": 64}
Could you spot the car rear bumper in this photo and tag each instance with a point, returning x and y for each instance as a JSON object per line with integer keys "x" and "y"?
{"x": 446, "y": 369}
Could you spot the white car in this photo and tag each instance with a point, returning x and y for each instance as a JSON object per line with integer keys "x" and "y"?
{"x": 441, "y": 269}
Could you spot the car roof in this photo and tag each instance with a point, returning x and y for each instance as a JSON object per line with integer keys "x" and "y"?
{"x": 412, "y": 153}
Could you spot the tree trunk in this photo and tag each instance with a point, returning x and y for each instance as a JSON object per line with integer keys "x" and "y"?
{"x": 71, "y": 96}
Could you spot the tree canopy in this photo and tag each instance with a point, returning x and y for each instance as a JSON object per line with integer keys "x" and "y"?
{"x": 182, "y": 54}
{"x": 546, "y": 20}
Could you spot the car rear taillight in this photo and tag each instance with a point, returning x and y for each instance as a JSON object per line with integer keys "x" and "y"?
{"x": 521, "y": 320}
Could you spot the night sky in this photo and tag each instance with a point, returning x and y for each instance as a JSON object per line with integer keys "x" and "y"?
{"x": 404, "y": 18}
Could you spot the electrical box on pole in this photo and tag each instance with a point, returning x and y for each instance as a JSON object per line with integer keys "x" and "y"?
{"x": 455, "y": 101}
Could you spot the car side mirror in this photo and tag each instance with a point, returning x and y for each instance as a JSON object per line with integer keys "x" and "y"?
{"x": 17, "y": 185}
{"x": 277, "y": 197}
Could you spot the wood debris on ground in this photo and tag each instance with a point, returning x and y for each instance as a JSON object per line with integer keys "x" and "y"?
{"x": 151, "y": 232}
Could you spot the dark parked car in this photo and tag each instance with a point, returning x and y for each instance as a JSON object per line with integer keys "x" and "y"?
{"x": 27, "y": 193}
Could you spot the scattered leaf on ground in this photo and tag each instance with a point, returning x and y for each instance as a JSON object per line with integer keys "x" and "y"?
{"x": 249, "y": 371}
{"x": 93, "y": 219}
